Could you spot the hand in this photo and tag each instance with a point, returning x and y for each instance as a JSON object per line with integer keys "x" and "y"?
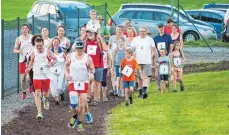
{"x": 141, "y": 77}
{"x": 27, "y": 70}
{"x": 91, "y": 76}
{"x": 20, "y": 51}
{"x": 68, "y": 77}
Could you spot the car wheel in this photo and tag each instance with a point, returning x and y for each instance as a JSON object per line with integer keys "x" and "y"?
{"x": 190, "y": 36}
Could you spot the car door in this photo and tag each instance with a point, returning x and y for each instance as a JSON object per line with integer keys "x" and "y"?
{"x": 41, "y": 20}
{"x": 194, "y": 14}
{"x": 213, "y": 19}
{"x": 143, "y": 18}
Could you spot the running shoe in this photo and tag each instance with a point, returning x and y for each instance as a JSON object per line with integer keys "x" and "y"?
{"x": 46, "y": 104}
{"x": 40, "y": 116}
{"x": 140, "y": 93}
{"x": 80, "y": 127}
{"x": 181, "y": 87}
{"x": 57, "y": 103}
{"x": 88, "y": 118}
{"x": 105, "y": 99}
{"x": 144, "y": 91}
{"x": 175, "y": 90}
{"x": 131, "y": 100}
{"x": 23, "y": 95}
{"x": 62, "y": 97}
{"x": 71, "y": 124}
{"x": 119, "y": 93}
{"x": 127, "y": 103}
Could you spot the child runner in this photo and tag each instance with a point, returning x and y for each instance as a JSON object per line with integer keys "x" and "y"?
{"x": 106, "y": 66}
{"x": 41, "y": 63}
{"x": 78, "y": 68}
{"x": 119, "y": 54}
{"x": 127, "y": 68}
{"x": 93, "y": 23}
{"x": 177, "y": 57}
{"x": 164, "y": 70}
{"x": 57, "y": 80}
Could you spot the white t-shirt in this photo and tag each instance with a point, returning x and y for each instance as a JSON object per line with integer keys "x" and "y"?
{"x": 143, "y": 47}
{"x": 93, "y": 24}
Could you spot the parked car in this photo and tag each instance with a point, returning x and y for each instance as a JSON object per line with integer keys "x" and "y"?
{"x": 151, "y": 17}
{"x": 163, "y": 7}
{"x": 216, "y": 5}
{"x": 59, "y": 11}
{"x": 213, "y": 17}
{"x": 218, "y": 9}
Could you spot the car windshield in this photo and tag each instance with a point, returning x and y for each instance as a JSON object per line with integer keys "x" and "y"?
{"x": 71, "y": 10}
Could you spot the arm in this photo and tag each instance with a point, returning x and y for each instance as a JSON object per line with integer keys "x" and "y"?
{"x": 17, "y": 49}
{"x": 91, "y": 65}
{"x": 109, "y": 60}
{"x": 30, "y": 65}
{"x": 66, "y": 68}
{"x": 115, "y": 51}
{"x": 54, "y": 59}
{"x": 181, "y": 41}
{"x": 104, "y": 45}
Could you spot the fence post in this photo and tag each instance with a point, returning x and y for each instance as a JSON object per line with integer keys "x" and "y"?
{"x": 18, "y": 34}
{"x": 78, "y": 22}
{"x": 49, "y": 24}
{"x": 2, "y": 52}
{"x": 105, "y": 15}
{"x": 32, "y": 24}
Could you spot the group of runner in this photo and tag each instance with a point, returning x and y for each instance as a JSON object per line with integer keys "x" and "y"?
{"x": 53, "y": 65}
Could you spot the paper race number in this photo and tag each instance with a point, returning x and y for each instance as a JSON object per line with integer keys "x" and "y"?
{"x": 177, "y": 62}
{"x": 127, "y": 71}
{"x": 91, "y": 50}
{"x": 79, "y": 86}
{"x": 161, "y": 45}
{"x": 55, "y": 70}
{"x": 164, "y": 69}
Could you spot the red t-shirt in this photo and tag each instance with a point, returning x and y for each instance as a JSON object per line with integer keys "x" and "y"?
{"x": 93, "y": 49}
{"x": 168, "y": 30}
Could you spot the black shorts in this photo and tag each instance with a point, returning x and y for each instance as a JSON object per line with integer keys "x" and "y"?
{"x": 164, "y": 77}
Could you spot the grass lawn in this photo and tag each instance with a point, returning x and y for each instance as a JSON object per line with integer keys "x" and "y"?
{"x": 11, "y": 9}
{"x": 201, "y": 43}
{"x": 201, "y": 109}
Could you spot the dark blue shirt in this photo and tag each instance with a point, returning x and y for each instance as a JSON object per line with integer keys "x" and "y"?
{"x": 163, "y": 41}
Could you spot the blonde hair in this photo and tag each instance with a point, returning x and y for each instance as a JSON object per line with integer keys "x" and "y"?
{"x": 130, "y": 51}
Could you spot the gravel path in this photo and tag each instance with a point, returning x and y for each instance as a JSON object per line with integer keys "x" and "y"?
{"x": 204, "y": 54}
{"x": 12, "y": 104}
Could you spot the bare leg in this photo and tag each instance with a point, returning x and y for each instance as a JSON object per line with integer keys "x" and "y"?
{"x": 38, "y": 100}
{"x": 23, "y": 84}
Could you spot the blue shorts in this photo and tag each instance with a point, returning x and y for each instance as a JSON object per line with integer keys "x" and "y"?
{"x": 99, "y": 74}
{"x": 127, "y": 84}
{"x": 117, "y": 70}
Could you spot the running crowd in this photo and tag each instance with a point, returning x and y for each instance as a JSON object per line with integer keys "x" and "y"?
{"x": 82, "y": 69}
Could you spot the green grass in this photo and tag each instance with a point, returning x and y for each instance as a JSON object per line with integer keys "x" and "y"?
{"x": 201, "y": 43}
{"x": 200, "y": 110}
{"x": 12, "y": 9}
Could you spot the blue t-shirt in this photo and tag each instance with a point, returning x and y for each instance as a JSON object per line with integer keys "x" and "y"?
{"x": 163, "y": 41}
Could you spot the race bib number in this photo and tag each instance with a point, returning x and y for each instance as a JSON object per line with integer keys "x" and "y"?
{"x": 91, "y": 50}
{"x": 140, "y": 48}
{"x": 161, "y": 45}
{"x": 79, "y": 86}
{"x": 39, "y": 69}
{"x": 164, "y": 69}
{"x": 127, "y": 71}
{"x": 177, "y": 62}
{"x": 55, "y": 70}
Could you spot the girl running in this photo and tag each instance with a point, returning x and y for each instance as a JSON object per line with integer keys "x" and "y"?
{"x": 127, "y": 68}
{"x": 40, "y": 64}
{"x": 119, "y": 54}
{"x": 177, "y": 57}
{"x": 57, "y": 71}
{"x": 164, "y": 70}
{"x": 78, "y": 68}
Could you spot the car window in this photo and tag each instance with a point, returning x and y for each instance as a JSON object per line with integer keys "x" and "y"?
{"x": 128, "y": 14}
{"x": 44, "y": 9}
{"x": 210, "y": 17}
{"x": 159, "y": 16}
{"x": 145, "y": 15}
{"x": 194, "y": 15}
{"x": 52, "y": 9}
{"x": 34, "y": 9}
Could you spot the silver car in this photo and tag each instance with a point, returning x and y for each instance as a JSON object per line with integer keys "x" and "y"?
{"x": 150, "y": 18}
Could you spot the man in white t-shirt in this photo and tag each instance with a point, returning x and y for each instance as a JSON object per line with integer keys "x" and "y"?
{"x": 93, "y": 23}
{"x": 144, "y": 47}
